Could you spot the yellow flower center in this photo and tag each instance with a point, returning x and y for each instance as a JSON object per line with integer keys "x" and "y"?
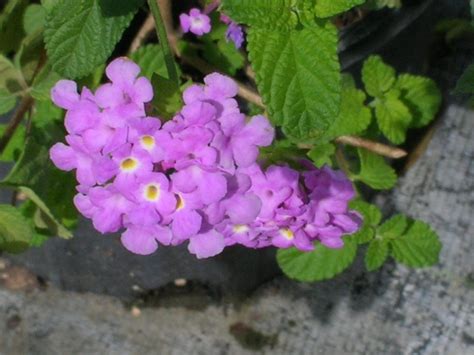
{"x": 129, "y": 164}
{"x": 152, "y": 192}
{"x": 240, "y": 228}
{"x": 147, "y": 142}
{"x": 180, "y": 204}
{"x": 287, "y": 233}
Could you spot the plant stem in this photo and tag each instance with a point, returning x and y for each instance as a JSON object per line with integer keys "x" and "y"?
{"x": 163, "y": 38}
{"x": 24, "y": 106}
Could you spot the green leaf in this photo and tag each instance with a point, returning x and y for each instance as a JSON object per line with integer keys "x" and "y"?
{"x": 7, "y": 101}
{"x": 371, "y": 218}
{"x": 328, "y": 8}
{"x": 321, "y": 264}
{"x": 79, "y": 37}
{"x": 270, "y": 14}
{"x": 169, "y": 100}
{"x": 15, "y": 232}
{"x": 15, "y": 145}
{"x": 11, "y": 26}
{"x": 150, "y": 59}
{"x": 419, "y": 247}
{"x": 465, "y": 84}
{"x": 43, "y": 83}
{"x": 224, "y": 56}
{"x": 321, "y": 154}
{"x": 34, "y": 18}
{"x": 377, "y": 76}
{"x": 374, "y": 171}
{"x": 49, "y": 188}
{"x": 421, "y": 95}
{"x": 354, "y": 116}
{"x": 10, "y": 77}
{"x": 393, "y": 228}
{"x": 393, "y": 118}
{"x": 298, "y": 76}
{"x": 377, "y": 253}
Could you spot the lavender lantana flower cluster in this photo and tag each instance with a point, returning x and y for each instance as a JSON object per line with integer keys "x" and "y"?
{"x": 195, "y": 178}
{"x": 199, "y": 23}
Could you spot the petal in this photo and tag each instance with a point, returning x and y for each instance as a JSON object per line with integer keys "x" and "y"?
{"x": 84, "y": 205}
{"x": 193, "y": 93}
{"x": 63, "y": 156}
{"x": 107, "y": 220}
{"x": 186, "y": 223}
{"x": 243, "y": 209}
{"x": 206, "y": 245}
{"x": 145, "y": 215}
{"x": 122, "y": 71}
{"x": 220, "y": 86}
{"x": 139, "y": 241}
{"x": 185, "y": 22}
{"x": 143, "y": 91}
{"x": 259, "y": 131}
{"x": 245, "y": 154}
{"x": 109, "y": 95}
{"x": 64, "y": 94}
{"x": 212, "y": 187}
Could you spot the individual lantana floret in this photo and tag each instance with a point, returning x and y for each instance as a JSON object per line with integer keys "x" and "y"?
{"x": 195, "y": 22}
{"x": 194, "y": 179}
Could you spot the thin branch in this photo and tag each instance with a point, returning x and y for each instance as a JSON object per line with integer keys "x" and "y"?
{"x": 20, "y": 112}
{"x": 379, "y": 148}
{"x": 142, "y": 34}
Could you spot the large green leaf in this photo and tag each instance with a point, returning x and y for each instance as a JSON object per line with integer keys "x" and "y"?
{"x": 15, "y": 145}
{"x": 34, "y": 18}
{"x": 419, "y": 247}
{"x": 11, "y": 25}
{"x": 328, "y": 8}
{"x": 80, "y": 37}
{"x": 393, "y": 228}
{"x": 298, "y": 76}
{"x": 271, "y": 14}
{"x": 15, "y": 231}
{"x": 321, "y": 264}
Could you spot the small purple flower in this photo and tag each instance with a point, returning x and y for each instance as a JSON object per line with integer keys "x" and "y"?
{"x": 196, "y": 22}
{"x": 235, "y": 33}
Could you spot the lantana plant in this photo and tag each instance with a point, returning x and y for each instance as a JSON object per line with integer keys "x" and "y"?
{"x": 236, "y": 127}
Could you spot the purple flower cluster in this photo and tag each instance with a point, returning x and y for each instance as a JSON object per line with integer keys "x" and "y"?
{"x": 195, "y": 178}
{"x": 199, "y": 23}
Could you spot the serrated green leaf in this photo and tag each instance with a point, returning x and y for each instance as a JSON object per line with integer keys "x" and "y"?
{"x": 393, "y": 228}
{"x": 371, "y": 218}
{"x": 15, "y": 232}
{"x": 7, "y": 101}
{"x": 377, "y": 253}
{"x": 321, "y": 154}
{"x": 419, "y": 247}
{"x": 298, "y": 76}
{"x": 270, "y": 14}
{"x": 421, "y": 95}
{"x": 15, "y": 145}
{"x": 48, "y": 5}
{"x": 150, "y": 59}
{"x": 354, "y": 116}
{"x": 393, "y": 118}
{"x": 49, "y": 188}
{"x": 79, "y": 37}
{"x": 328, "y": 8}
{"x": 465, "y": 84}
{"x": 34, "y": 18}
{"x": 321, "y": 264}
{"x": 378, "y": 77}
{"x": 374, "y": 171}
{"x": 169, "y": 101}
